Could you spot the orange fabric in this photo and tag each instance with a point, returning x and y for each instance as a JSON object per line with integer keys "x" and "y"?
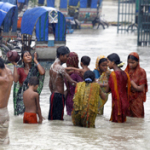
{"x": 116, "y": 89}
{"x": 29, "y": 117}
{"x": 137, "y": 98}
{"x": 138, "y": 76}
{"x": 118, "y": 81}
{"x": 19, "y": 23}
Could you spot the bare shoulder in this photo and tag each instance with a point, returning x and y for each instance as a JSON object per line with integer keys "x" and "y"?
{"x": 36, "y": 94}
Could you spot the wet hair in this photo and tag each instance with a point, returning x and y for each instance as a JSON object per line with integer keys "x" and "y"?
{"x": 115, "y": 58}
{"x": 34, "y": 81}
{"x": 102, "y": 60}
{"x": 133, "y": 58}
{"x": 2, "y": 66}
{"x": 89, "y": 76}
{"x": 86, "y": 60}
{"x": 62, "y": 50}
{"x": 24, "y": 53}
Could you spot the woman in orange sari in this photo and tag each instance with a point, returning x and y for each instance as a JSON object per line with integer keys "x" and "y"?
{"x": 118, "y": 81}
{"x": 138, "y": 86}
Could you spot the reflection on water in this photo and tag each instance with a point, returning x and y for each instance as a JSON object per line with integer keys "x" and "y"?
{"x": 59, "y": 135}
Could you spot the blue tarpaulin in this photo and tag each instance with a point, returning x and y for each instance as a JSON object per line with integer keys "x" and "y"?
{"x": 31, "y": 17}
{"x": 50, "y": 3}
{"x": 73, "y": 2}
{"x": 94, "y": 4}
{"x": 83, "y": 3}
{"x": 21, "y": 1}
{"x": 14, "y": 2}
{"x": 41, "y": 2}
{"x": 63, "y": 3}
{"x": 42, "y": 28}
{"x": 8, "y": 16}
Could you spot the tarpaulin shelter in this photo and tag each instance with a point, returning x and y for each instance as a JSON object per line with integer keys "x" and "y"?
{"x": 51, "y": 3}
{"x": 41, "y": 17}
{"x": 84, "y": 3}
{"x": 14, "y": 2}
{"x": 23, "y": 1}
{"x": 8, "y": 16}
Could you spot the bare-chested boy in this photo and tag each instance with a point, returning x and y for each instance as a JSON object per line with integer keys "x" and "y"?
{"x": 56, "y": 84}
{"x": 6, "y": 81}
{"x": 31, "y": 102}
{"x": 85, "y": 61}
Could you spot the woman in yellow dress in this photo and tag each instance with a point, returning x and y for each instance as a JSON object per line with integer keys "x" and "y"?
{"x": 102, "y": 76}
{"x": 85, "y": 100}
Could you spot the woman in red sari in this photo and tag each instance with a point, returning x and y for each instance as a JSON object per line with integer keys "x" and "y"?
{"x": 138, "y": 86}
{"x": 118, "y": 81}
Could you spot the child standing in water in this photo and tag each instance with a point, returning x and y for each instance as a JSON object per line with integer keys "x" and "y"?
{"x": 31, "y": 102}
{"x": 118, "y": 81}
{"x": 138, "y": 86}
{"x": 85, "y": 62}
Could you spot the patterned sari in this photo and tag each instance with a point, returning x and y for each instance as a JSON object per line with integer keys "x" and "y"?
{"x": 18, "y": 90}
{"x": 118, "y": 81}
{"x": 103, "y": 78}
{"x": 137, "y": 98}
{"x": 85, "y": 104}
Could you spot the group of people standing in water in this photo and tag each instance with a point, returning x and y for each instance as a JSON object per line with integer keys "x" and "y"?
{"x": 86, "y": 93}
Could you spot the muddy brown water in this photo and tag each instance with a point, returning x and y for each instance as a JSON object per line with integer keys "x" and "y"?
{"x": 62, "y": 135}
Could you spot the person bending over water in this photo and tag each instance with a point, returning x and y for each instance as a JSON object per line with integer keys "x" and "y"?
{"x": 56, "y": 84}
{"x": 31, "y": 102}
{"x": 139, "y": 86}
{"x": 86, "y": 101}
{"x": 85, "y": 62}
{"x": 23, "y": 74}
{"x": 118, "y": 81}
{"x": 6, "y": 81}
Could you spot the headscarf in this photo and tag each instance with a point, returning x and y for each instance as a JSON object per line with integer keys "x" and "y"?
{"x": 97, "y": 61}
{"x": 135, "y": 55}
{"x": 73, "y": 60}
{"x": 138, "y": 68}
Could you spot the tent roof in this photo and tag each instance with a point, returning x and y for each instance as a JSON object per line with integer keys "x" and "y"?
{"x": 31, "y": 16}
{"x": 4, "y": 9}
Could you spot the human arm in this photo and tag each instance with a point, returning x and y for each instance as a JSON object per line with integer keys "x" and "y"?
{"x": 68, "y": 78}
{"x": 38, "y": 108}
{"x": 15, "y": 72}
{"x": 73, "y": 68}
{"x": 139, "y": 88}
{"x": 50, "y": 83}
{"x": 102, "y": 94}
{"x": 39, "y": 67}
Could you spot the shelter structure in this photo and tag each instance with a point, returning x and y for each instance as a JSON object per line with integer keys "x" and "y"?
{"x": 60, "y": 5}
{"x": 46, "y": 22}
{"x": 87, "y": 8}
{"x": 8, "y": 20}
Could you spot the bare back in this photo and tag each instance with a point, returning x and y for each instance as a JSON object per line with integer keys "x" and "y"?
{"x": 6, "y": 81}
{"x": 29, "y": 98}
{"x": 57, "y": 73}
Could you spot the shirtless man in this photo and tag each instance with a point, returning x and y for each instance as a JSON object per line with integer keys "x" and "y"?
{"x": 6, "y": 81}
{"x": 56, "y": 84}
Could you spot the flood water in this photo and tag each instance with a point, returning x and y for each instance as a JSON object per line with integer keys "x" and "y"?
{"x": 62, "y": 135}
